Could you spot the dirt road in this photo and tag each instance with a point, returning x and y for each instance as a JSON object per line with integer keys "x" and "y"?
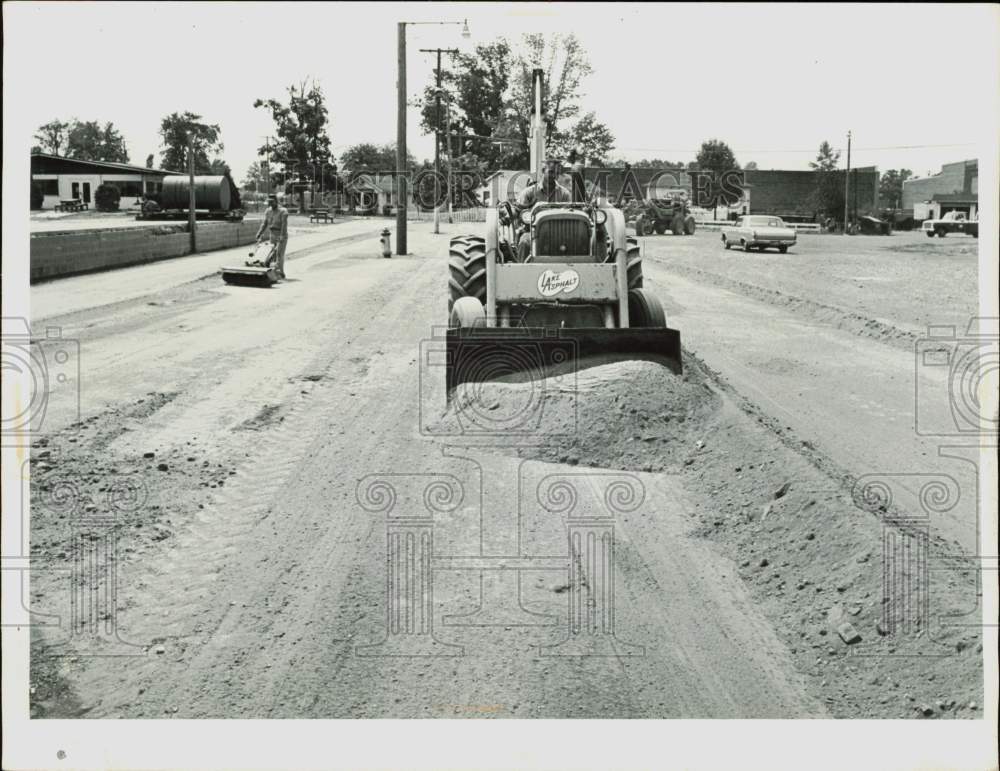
{"x": 295, "y": 540}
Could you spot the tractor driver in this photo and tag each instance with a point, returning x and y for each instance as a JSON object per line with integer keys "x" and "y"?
{"x": 549, "y": 191}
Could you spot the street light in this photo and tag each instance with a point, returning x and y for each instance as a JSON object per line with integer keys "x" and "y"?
{"x": 401, "y": 186}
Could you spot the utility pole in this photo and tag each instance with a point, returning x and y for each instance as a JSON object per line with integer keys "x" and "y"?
{"x": 437, "y": 132}
{"x": 192, "y": 219}
{"x": 847, "y": 181}
{"x": 451, "y": 168}
{"x": 267, "y": 164}
{"x": 401, "y": 142}
{"x": 401, "y": 125}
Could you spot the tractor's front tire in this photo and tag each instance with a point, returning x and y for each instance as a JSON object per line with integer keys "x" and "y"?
{"x": 467, "y": 312}
{"x": 677, "y": 225}
{"x": 467, "y": 269}
{"x": 644, "y": 310}
{"x": 644, "y": 226}
{"x": 689, "y": 225}
{"x": 660, "y": 228}
{"x": 633, "y": 261}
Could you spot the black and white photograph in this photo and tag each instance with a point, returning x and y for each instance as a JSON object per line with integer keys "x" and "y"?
{"x": 500, "y": 385}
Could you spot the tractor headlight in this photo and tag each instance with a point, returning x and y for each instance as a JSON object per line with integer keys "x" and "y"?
{"x": 600, "y": 216}
{"x": 526, "y": 216}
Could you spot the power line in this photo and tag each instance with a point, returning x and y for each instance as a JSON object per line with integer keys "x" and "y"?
{"x": 813, "y": 150}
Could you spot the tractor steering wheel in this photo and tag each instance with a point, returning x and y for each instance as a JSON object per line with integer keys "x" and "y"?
{"x": 505, "y": 213}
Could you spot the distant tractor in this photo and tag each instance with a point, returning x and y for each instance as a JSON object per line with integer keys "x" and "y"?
{"x": 664, "y": 210}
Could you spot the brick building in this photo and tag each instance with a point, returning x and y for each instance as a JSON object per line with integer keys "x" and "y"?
{"x": 954, "y": 188}
{"x": 791, "y": 193}
{"x": 785, "y": 193}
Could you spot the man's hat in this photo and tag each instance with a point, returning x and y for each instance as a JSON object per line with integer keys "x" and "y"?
{"x": 272, "y": 197}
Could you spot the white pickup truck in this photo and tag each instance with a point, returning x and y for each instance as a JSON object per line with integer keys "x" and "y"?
{"x": 951, "y": 222}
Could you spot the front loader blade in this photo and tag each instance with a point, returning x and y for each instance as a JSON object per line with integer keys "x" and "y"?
{"x": 484, "y": 354}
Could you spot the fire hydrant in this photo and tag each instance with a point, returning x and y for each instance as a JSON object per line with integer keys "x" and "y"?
{"x": 386, "y": 243}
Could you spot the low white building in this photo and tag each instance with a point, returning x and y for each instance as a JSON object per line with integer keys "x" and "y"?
{"x": 63, "y": 179}
{"x": 503, "y": 185}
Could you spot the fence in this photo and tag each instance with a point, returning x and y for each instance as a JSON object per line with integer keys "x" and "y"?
{"x": 474, "y": 214}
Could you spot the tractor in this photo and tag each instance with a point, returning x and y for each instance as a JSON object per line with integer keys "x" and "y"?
{"x": 664, "y": 210}
{"x": 575, "y": 298}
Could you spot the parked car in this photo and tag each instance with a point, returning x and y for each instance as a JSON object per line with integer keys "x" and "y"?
{"x": 759, "y": 231}
{"x": 873, "y": 226}
{"x": 951, "y": 222}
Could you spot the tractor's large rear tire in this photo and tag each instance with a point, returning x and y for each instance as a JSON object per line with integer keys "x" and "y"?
{"x": 634, "y": 262}
{"x": 467, "y": 269}
{"x": 644, "y": 310}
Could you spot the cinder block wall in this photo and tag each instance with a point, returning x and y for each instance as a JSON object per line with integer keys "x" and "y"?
{"x": 55, "y": 255}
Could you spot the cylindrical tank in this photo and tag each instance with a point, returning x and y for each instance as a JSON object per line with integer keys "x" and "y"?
{"x": 209, "y": 193}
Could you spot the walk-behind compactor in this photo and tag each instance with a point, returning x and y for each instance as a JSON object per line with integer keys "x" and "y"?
{"x": 576, "y": 299}
{"x": 260, "y": 268}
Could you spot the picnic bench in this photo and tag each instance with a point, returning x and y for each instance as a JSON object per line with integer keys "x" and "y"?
{"x": 318, "y": 214}
{"x": 72, "y": 204}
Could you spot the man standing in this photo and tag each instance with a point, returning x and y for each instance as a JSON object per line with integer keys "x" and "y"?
{"x": 276, "y": 224}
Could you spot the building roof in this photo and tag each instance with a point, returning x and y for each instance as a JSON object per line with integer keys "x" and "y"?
{"x": 106, "y": 167}
{"x": 370, "y": 183}
{"x": 955, "y": 197}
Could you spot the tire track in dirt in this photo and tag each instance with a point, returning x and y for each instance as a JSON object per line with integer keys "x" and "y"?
{"x": 212, "y": 540}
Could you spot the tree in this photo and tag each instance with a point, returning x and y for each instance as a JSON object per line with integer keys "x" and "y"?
{"x": 37, "y": 196}
{"x": 589, "y": 137}
{"x": 369, "y": 157}
{"x": 107, "y": 197}
{"x": 254, "y": 180}
{"x": 890, "y": 187}
{"x": 490, "y": 96}
{"x": 752, "y": 166}
{"x": 828, "y": 196}
{"x": 303, "y": 145}
{"x": 827, "y": 158}
{"x": 52, "y": 136}
{"x": 149, "y": 161}
{"x": 89, "y": 141}
{"x": 474, "y": 90}
{"x": 645, "y": 163}
{"x": 218, "y": 168}
{"x": 174, "y": 130}
{"x": 716, "y": 156}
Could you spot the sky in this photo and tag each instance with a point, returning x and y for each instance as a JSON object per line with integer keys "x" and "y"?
{"x": 915, "y": 84}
